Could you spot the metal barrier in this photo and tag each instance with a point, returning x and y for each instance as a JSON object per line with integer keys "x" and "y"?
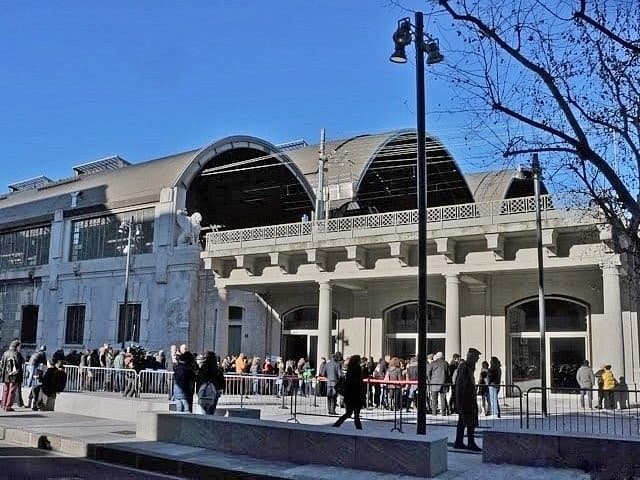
{"x": 616, "y": 412}
{"x": 249, "y": 390}
{"x": 394, "y": 401}
{"x": 155, "y": 383}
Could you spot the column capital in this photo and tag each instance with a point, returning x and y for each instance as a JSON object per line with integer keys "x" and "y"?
{"x": 324, "y": 283}
{"x": 452, "y": 277}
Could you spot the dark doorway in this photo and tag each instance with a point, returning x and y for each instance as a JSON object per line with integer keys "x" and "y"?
{"x": 29, "y": 329}
{"x": 295, "y": 347}
{"x": 567, "y": 354}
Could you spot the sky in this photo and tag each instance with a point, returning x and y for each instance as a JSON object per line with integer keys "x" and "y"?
{"x": 80, "y": 81}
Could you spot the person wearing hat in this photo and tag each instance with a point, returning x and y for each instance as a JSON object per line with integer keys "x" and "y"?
{"x": 466, "y": 403}
{"x": 37, "y": 361}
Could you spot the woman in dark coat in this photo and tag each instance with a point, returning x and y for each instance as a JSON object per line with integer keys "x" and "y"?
{"x": 353, "y": 393}
{"x": 184, "y": 382}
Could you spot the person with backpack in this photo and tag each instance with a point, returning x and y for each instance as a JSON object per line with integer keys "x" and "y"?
{"x": 9, "y": 369}
{"x": 209, "y": 382}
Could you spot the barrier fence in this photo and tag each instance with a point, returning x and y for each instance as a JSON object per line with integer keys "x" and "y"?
{"x": 614, "y": 412}
{"x": 394, "y": 401}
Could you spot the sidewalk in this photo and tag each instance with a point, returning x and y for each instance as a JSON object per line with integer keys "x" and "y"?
{"x": 114, "y": 441}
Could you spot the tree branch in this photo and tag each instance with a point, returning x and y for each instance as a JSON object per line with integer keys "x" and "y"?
{"x": 582, "y": 15}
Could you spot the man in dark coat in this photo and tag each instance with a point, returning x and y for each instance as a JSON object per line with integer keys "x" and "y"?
{"x": 354, "y": 398}
{"x": 466, "y": 403}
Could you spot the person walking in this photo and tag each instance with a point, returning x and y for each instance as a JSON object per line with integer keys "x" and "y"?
{"x": 353, "y": 393}
{"x": 333, "y": 374}
{"x": 586, "y": 380}
{"x": 494, "y": 377}
{"x": 465, "y": 401}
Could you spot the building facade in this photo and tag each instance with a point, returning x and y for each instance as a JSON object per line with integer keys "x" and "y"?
{"x": 226, "y": 253}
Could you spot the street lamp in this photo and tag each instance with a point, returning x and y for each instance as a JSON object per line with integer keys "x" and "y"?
{"x": 535, "y": 172}
{"x": 130, "y": 229}
{"x": 403, "y": 36}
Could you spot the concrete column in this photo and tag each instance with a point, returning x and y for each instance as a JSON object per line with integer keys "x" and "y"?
{"x": 452, "y": 340}
{"x": 608, "y": 342}
{"x": 324, "y": 321}
{"x": 222, "y": 324}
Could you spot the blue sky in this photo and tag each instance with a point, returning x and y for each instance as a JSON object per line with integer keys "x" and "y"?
{"x": 83, "y": 80}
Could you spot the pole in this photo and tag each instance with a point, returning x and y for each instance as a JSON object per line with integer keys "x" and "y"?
{"x": 320, "y": 192}
{"x": 535, "y": 168}
{"x": 126, "y": 285}
{"x": 422, "y": 228}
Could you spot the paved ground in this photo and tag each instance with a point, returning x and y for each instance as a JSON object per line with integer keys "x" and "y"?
{"x": 17, "y": 462}
{"x": 462, "y": 465}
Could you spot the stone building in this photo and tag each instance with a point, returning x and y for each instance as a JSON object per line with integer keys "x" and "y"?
{"x": 225, "y": 252}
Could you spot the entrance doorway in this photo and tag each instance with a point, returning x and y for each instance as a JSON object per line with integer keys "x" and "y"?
{"x": 401, "y": 327}
{"x": 300, "y": 334}
{"x": 566, "y": 345}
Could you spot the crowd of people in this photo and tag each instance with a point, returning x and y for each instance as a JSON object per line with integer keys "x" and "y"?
{"x": 45, "y": 378}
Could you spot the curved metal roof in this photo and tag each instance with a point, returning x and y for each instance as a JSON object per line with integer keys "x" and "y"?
{"x": 487, "y": 186}
{"x": 142, "y": 183}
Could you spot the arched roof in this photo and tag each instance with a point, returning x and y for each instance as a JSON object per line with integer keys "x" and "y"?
{"x": 500, "y": 184}
{"x": 357, "y": 159}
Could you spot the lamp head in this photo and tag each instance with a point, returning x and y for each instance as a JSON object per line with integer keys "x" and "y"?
{"x": 432, "y": 49}
{"x": 401, "y": 38}
{"x": 399, "y": 55}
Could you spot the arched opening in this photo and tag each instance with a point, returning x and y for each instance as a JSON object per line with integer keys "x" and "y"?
{"x": 244, "y": 184}
{"x": 567, "y": 346}
{"x": 401, "y": 329}
{"x": 389, "y": 179}
{"x": 300, "y": 333}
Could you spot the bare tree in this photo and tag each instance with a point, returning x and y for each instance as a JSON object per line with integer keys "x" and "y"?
{"x": 566, "y": 76}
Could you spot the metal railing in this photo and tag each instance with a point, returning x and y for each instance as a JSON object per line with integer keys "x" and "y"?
{"x": 394, "y": 401}
{"x": 614, "y": 412}
{"x": 487, "y": 212}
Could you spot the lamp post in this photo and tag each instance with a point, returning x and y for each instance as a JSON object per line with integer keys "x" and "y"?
{"x": 401, "y": 38}
{"x": 536, "y": 174}
{"x": 128, "y": 227}
{"x": 536, "y": 171}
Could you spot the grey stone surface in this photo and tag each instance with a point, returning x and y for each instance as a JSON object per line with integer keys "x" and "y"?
{"x": 238, "y": 412}
{"x": 592, "y": 454}
{"x": 312, "y": 446}
{"x": 376, "y": 454}
{"x": 299, "y": 444}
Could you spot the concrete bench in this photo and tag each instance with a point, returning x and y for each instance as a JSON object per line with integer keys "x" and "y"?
{"x": 238, "y": 412}
{"x": 602, "y": 454}
{"x": 409, "y": 454}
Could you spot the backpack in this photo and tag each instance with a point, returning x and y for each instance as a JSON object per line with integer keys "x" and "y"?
{"x": 207, "y": 395}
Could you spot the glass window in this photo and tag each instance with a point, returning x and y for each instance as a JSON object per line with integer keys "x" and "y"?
{"x": 305, "y": 318}
{"x": 525, "y": 362}
{"x": 129, "y": 331}
{"x": 100, "y": 237}
{"x": 25, "y": 248}
{"x": 74, "y": 331}
{"x": 404, "y": 319}
{"x": 561, "y": 316}
{"x": 235, "y": 314}
{"x": 29, "y": 325}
